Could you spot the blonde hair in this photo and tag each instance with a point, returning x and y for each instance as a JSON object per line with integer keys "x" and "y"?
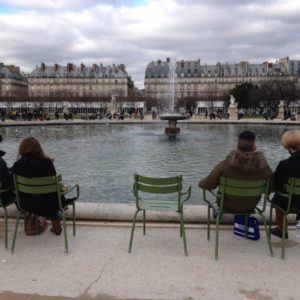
{"x": 291, "y": 140}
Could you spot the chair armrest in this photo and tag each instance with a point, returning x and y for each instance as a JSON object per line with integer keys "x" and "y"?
{"x": 209, "y": 191}
{"x": 211, "y": 204}
{"x": 285, "y": 195}
{"x": 137, "y": 199}
{"x": 70, "y": 189}
{"x": 281, "y": 194}
{"x": 136, "y": 195}
{"x": 6, "y": 190}
{"x": 188, "y": 193}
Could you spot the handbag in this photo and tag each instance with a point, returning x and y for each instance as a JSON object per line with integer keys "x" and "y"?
{"x": 30, "y": 224}
{"x": 253, "y": 227}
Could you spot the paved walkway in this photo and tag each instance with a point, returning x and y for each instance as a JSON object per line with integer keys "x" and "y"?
{"x": 99, "y": 266}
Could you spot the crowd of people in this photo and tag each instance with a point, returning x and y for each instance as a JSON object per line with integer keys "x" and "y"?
{"x": 40, "y": 114}
{"x": 244, "y": 162}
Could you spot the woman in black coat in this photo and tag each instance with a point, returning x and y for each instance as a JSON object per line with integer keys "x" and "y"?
{"x": 287, "y": 168}
{"x": 32, "y": 162}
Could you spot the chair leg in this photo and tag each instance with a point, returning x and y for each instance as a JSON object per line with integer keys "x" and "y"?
{"x": 267, "y": 234}
{"x": 183, "y": 233}
{"x": 217, "y": 237}
{"x": 15, "y": 231}
{"x": 65, "y": 231}
{"x": 132, "y": 231}
{"x": 74, "y": 219}
{"x": 144, "y": 222}
{"x": 208, "y": 222}
{"x": 5, "y": 226}
{"x": 270, "y": 221}
{"x": 283, "y": 237}
{"x": 180, "y": 227}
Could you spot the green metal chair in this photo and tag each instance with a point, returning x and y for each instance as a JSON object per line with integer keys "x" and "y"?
{"x": 293, "y": 189}
{"x": 240, "y": 189}
{"x": 171, "y": 187}
{"x": 4, "y": 206}
{"x": 40, "y": 186}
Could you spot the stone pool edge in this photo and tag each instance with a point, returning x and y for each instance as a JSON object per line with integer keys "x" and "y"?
{"x": 119, "y": 212}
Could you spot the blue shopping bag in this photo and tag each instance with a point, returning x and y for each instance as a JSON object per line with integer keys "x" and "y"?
{"x": 253, "y": 227}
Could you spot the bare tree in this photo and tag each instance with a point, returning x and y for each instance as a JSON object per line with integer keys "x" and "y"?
{"x": 271, "y": 92}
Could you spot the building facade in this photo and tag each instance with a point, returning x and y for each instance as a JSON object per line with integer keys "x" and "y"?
{"x": 209, "y": 84}
{"x": 74, "y": 83}
{"x": 13, "y": 86}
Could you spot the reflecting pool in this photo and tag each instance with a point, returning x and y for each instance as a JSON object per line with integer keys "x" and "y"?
{"x": 102, "y": 157}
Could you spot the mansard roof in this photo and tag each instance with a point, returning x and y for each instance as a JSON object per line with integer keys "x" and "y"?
{"x": 71, "y": 70}
{"x": 158, "y": 69}
{"x": 194, "y": 68}
{"x": 10, "y": 71}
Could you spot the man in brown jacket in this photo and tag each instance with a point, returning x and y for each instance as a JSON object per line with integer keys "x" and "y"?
{"x": 243, "y": 163}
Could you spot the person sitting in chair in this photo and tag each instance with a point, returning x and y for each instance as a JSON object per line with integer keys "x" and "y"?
{"x": 287, "y": 168}
{"x": 245, "y": 162}
{"x": 6, "y": 180}
{"x": 32, "y": 162}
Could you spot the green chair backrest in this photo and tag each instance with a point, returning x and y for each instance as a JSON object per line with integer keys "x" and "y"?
{"x": 37, "y": 186}
{"x": 157, "y": 186}
{"x": 293, "y": 186}
{"x": 3, "y": 190}
{"x": 165, "y": 185}
{"x": 244, "y": 188}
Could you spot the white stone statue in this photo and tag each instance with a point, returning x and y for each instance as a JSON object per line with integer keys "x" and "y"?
{"x": 112, "y": 106}
{"x": 65, "y": 110}
{"x": 232, "y": 101}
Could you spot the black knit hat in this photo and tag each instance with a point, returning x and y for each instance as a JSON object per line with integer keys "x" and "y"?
{"x": 246, "y": 140}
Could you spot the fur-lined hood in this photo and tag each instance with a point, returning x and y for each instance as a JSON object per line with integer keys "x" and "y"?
{"x": 247, "y": 162}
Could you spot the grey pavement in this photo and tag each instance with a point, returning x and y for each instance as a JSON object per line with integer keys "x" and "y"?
{"x": 99, "y": 266}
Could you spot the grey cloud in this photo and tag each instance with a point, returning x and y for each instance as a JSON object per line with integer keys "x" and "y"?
{"x": 209, "y": 30}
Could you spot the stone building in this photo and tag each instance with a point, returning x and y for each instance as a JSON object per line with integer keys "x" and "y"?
{"x": 79, "y": 82}
{"x": 209, "y": 85}
{"x": 13, "y": 86}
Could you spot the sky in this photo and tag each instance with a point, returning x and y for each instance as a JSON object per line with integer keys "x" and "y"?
{"x": 137, "y": 32}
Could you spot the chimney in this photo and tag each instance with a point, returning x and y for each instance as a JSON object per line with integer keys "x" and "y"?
{"x": 70, "y": 67}
{"x": 43, "y": 67}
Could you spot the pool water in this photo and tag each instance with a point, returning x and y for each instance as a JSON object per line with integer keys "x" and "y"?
{"x": 102, "y": 158}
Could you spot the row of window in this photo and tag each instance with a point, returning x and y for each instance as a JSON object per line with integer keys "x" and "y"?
{"x": 76, "y": 81}
{"x": 156, "y": 82}
{"x": 75, "y": 87}
{"x": 179, "y": 95}
{"x": 75, "y": 94}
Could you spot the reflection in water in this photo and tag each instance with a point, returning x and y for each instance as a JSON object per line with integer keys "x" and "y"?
{"x": 102, "y": 158}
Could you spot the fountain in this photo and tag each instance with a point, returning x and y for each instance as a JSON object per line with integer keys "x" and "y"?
{"x": 172, "y": 121}
{"x": 172, "y": 117}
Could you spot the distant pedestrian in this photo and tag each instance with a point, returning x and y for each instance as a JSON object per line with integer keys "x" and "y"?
{"x": 56, "y": 115}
